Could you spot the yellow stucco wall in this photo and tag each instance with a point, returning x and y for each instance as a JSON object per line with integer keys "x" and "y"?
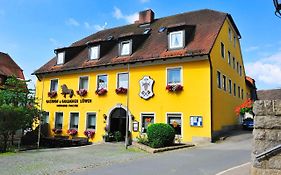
{"x": 224, "y": 103}
{"x": 193, "y": 100}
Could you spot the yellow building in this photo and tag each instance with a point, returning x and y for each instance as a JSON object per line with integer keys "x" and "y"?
{"x": 185, "y": 70}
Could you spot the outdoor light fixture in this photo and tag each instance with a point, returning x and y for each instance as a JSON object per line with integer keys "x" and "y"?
{"x": 277, "y": 4}
{"x": 104, "y": 116}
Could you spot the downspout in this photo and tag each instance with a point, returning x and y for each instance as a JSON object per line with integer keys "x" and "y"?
{"x": 41, "y": 113}
{"x": 211, "y": 100}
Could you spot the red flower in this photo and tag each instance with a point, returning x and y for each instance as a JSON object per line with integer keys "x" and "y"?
{"x": 82, "y": 92}
{"x": 174, "y": 88}
{"x": 57, "y": 131}
{"x": 52, "y": 94}
{"x": 89, "y": 133}
{"x": 72, "y": 132}
{"x": 121, "y": 90}
{"x": 247, "y": 106}
{"x": 101, "y": 91}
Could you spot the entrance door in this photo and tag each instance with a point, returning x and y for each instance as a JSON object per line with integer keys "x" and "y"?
{"x": 118, "y": 121}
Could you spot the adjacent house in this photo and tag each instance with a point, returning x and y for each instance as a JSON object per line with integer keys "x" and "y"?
{"x": 8, "y": 68}
{"x": 185, "y": 70}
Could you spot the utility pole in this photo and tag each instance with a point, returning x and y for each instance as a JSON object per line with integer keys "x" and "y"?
{"x": 40, "y": 115}
{"x": 127, "y": 113}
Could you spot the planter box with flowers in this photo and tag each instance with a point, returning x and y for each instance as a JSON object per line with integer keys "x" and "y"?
{"x": 245, "y": 111}
{"x": 174, "y": 88}
{"x": 52, "y": 94}
{"x": 101, "y": 91}
{"x": 121, "y": 90}
{"x": 57, "y": 131}
{"x": 82, "y": 92}
{"x": 72, "y": 132}
{"x": 89, "y": 133}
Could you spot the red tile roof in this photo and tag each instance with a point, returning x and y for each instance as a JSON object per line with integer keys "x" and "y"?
{"x": 202, "y": 28}
{"x": 251, "y": 81}
{"x": 8, "y": 67}
{"x": 272, "y": 94}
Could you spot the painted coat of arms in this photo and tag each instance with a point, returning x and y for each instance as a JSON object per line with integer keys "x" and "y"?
{"x": 146, "y": 85}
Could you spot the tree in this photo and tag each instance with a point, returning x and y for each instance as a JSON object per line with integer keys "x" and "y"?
{"x": 17, "y": 109}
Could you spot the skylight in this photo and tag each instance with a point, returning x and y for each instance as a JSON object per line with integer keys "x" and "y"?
{"x": 109, "y": 38}
{"x": 146, "y": 31}
{"x": 162, "y": 29}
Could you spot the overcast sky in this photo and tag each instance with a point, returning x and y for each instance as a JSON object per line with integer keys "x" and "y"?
{"x": 30, "y": 30}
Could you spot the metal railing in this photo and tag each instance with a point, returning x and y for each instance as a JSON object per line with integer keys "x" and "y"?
{"x": 269, "y": 153}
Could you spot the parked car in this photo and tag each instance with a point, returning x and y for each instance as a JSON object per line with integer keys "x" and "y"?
{"x": 248, "y": 123}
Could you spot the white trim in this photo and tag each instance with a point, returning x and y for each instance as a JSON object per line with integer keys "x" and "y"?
{"x": 182, "y": 32}
{"x": 224, "y": 83}
{"x": 55, "y": 116}
{"x": 220, "y": 88}
{"x": 86, "y": 117}
{"x": 182, "y": 123}
{"x": 83, "y": 76}
{"x": 90, "y": 52}
{"x": 51, "y": 84}
{"x": 58, "y": 58}
{"x": 48, "y": 117}
{"x": 97, "y": 78}
{"x": 141, "y": 113}
{"x": 181, "y": 74}
{"x": 117, "y": 77}
{"x": 70, "y": 119}
{"x": 130, "y": 41}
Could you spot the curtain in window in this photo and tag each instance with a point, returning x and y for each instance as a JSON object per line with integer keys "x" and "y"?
{"x": 123, "y": 80}
{"x": 174, "y": 76}
{"x": 84, "y": 83}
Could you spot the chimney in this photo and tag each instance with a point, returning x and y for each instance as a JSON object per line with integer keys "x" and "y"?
{"x": 146, "y": 16}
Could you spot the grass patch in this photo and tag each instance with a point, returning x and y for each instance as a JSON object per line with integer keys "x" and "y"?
{"x": 7, "y": 154}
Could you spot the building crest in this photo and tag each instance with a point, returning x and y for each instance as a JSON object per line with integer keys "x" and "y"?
{"x": 146, "y": 85}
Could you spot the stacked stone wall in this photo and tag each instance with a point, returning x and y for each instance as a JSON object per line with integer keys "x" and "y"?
{"x": 267, "y": 134}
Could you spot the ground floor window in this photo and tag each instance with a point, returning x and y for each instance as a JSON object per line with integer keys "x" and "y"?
{"x": 58, "y": 120}
{"x": 45, "y": 117}
{"x": 74, "y": 117}
{"x": 147, "y": 119}
{"x": 91, "y": 121}
{"x": 175, "y": 121}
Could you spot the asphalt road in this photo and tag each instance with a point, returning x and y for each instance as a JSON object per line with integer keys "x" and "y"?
{"x": 207, "y": 159}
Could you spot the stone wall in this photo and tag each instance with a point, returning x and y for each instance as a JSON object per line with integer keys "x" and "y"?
{"x": 267, "y": 134}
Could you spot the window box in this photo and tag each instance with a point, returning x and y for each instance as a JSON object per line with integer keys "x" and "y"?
{"x": 57, "y": 131}
{"x": 174, "y": 87}
{"x": 72, "y": 132}
{"x": 52, "y": 94}
{"x": 101, "y": 91}
{"x": 82, "y": 92}
{"x": 121, "y": 90}
{"x": 89, "y": 133}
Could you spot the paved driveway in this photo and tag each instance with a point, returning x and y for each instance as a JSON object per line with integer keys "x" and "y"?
{"x": 110, "y": 159}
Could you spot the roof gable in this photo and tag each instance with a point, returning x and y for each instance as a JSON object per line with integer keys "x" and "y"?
{"x": 8, "y": 67}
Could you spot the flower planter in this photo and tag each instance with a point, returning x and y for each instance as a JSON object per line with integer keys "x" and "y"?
{"x": 121, "y": 90}
{"x": 101, "y": 91}
{"x": 72, "y": 132}
{"x": 52, "y": 94}
{"x": 89, "y": 133}
{"x": 82, "y": 92}
{"x": 57, "y": 131}
{"x": 174, "y": 88}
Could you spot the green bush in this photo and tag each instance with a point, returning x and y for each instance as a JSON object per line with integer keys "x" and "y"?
{"x": 160, "y": 135}
{"x": 117, "y": 136}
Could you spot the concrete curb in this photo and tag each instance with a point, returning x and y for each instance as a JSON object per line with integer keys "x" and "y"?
{"x": 157, "y": 150}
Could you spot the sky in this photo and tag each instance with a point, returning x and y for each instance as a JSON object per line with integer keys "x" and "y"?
{"x": 30, "y": 30}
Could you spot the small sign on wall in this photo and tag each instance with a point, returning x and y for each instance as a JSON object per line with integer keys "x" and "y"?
{"x": 196, "y": 121}
{"x": 135, "y": 126}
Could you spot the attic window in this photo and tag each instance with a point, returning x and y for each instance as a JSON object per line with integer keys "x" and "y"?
{"x": 147, "y": 31}
{"x": 125, "y": 48}
{"x": 109, "y": 38}
{"x": 60, "y": 57}
{"x": 176, "y": 40}
{"x": 94, "y": 52}
{"x": 162, "y": 29}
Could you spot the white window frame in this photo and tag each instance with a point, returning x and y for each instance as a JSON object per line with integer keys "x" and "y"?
{"x": 182, "y": 45}
{"x": 47, "y": 119}
{"x": 97, "y": 81}
{"x": 219, "y": 83}
{"x": 55, "y": 117}
{"x": 91, "y": 50}
{"x": 130, "y": 47}
{"x": 141, "y": 120}
{"x": 117, "y": 78}
{"x": 59, "y": 61}
{"x": 55, "y": 79}
{"x": 181, "y": 75}
{"x": 182, "y": 123}
{"x": 86, "y": 120}
{"x": 69, "y": 123}
{"x": 80, "y": 81}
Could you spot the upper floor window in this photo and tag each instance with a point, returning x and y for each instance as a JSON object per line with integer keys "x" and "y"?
{"x": 233, "y": 61}
{"x": 222, "y": 50}
{"x": 54, "y": 85}
{"x": 60, "y": 57}
{"x": 74, "y": 117}
{"x": 237, "y": 67}
{"x": 174, "y": 120}
{"x": 219, "y": 79}
{"x": 125, "y": 48}
{"x": 122, "y": 80}
{"x": 239, "y": 92}
{"x": 242, "y": 94}
{"x": 234, "y": 41}
{"x": 58, "y": 120}
{"x": 176, "y": 40}
{"x": 174, "y": 75}
{"x": 234, "y": 89}
{"x": 230, "y": 34}
{"x": 224, "y": 82}
{"x": 94, "y": 52}
{"x": 240, "y": 70}
{"x": 229, "y": 58}
{"x": 229, "y": 86}
{"x": 91, "y": 121}
{"x": 147, "y": 119}
{"x": 102, "y": 82}
{"x": 83, "y": 83}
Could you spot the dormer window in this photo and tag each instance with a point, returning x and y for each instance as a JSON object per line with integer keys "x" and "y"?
{"x": 94, "y": 52}
{"x": 176, "y": 40}
{"x": 60, "y": 57}
{"x": 125, "y": 48}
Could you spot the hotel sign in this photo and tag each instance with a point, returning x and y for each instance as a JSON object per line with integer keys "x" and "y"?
{"x": 68, "y": 103}
{"x": 146, "y": 87}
